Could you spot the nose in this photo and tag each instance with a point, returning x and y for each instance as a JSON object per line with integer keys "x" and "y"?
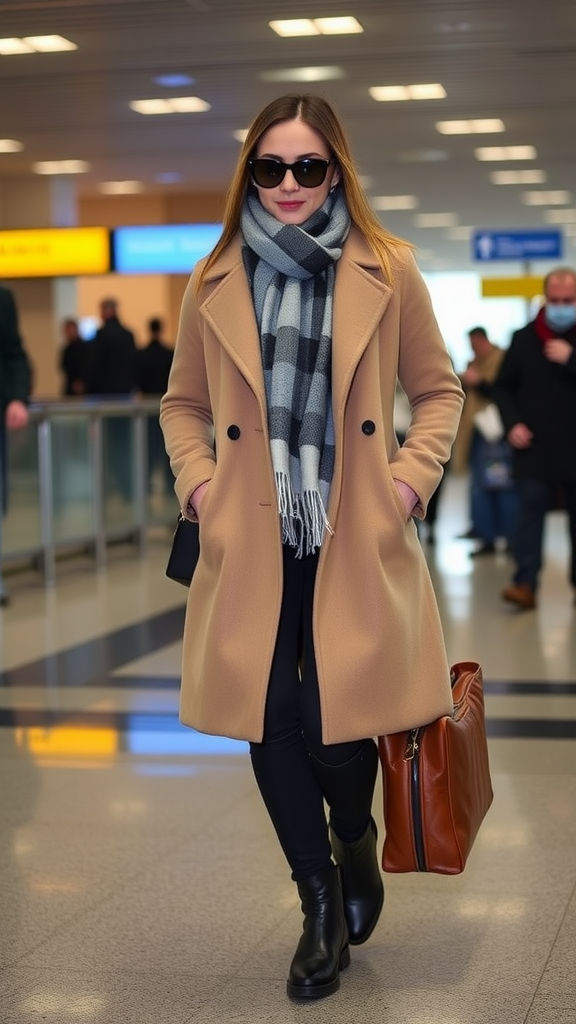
{"x": 289, "y": 183}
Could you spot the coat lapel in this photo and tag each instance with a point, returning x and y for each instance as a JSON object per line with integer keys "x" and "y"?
{"x": 360, "y": 300}
{"x": 230, "y": 312}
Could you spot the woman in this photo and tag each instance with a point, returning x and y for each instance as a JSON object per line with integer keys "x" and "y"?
{"x": 312, "y": 625}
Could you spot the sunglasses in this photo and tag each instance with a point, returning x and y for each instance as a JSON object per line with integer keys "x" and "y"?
{"x": 309, "y": 173}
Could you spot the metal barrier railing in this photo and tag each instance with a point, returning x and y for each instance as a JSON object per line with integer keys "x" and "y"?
{"x": 84, "y": 474}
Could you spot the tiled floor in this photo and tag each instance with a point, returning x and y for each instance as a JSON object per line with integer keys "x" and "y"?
{"x": 140, "y": 880}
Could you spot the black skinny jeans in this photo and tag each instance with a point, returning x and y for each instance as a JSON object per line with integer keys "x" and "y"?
{"x": 283, "y": 762}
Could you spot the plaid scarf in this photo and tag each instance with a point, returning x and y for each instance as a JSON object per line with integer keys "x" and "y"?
{"x": 291, "y": 273}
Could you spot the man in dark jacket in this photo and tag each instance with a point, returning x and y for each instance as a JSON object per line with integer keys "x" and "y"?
{"x": 111, "y": 366}
{"x": 536, "y": 393}
{"x": 154, "y": 363}
{"x": 111, "y": 373}
{"x": 14, "y": 394}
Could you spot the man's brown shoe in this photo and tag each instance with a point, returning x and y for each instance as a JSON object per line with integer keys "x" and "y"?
{"x": 520, "y": 594}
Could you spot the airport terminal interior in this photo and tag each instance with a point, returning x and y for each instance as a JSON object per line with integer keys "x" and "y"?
{"x": 140, "y": 878}
{"x": 141, "y": 881}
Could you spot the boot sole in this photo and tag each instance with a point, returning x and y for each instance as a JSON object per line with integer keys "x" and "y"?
{"x": 302, "y": 992}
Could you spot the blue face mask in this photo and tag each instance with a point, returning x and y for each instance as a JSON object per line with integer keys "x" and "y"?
{"x": 560, "y": 317}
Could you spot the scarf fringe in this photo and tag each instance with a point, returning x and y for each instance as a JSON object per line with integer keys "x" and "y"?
{"x": 302, "y": 516}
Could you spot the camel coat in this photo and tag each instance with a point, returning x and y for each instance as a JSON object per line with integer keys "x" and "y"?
{"x": 378, "y": 641}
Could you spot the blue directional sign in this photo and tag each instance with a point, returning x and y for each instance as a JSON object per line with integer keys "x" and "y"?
{"x": 517, "y": 245}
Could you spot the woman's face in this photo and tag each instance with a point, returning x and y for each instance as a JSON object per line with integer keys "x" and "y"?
{"x": 290, "y": 141}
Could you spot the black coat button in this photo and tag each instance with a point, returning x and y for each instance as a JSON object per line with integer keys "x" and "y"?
{"x": 368, "y": 427}
{"x": 233, "y": 432}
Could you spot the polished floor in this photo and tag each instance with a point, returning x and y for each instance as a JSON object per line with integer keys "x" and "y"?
{"x": 140, "y": 882}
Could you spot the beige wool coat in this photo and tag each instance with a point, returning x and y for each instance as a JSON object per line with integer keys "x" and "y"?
{"x": 378, "y": 641}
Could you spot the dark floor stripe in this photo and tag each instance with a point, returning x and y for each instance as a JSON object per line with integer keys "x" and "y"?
{"x": 524, "y": 688}
{"x": 531, "y": 728}
{"x": 168, "y": 722}
{"x": 90, "y": 663}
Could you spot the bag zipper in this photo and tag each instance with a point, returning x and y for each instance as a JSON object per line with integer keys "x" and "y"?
{"x": 412, "y": 754}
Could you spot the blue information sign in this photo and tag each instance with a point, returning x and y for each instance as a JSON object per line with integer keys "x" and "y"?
{"x": 162, "y": 248}
{"x": 517, "y": 245}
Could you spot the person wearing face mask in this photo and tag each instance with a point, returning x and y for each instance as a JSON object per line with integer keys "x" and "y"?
{"x": 536, "y": 394}
{"x": 312, "y": 625}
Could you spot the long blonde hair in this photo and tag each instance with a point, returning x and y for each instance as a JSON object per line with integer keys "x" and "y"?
{"x": 316, "y": 112}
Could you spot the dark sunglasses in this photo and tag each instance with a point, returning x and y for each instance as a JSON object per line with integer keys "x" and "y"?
{"x": 267, "y": 173}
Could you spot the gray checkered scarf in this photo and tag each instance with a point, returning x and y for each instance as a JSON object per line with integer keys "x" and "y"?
{"x": 291, "y": 273}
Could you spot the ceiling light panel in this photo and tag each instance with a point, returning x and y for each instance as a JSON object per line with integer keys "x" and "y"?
{"x": 316, "y": 26}
{"x": 399, "y": 93}
{"x": 478, "y": 126}
{"x": 394, "y": 202}
{"x": 295, "y": 27}
{"x": 50, "y": 44}
{"x": 436, "y": 220}
{"x": 61, "y": 167}
{"x": 309, "y": 74}
{"x": 11, "y": 146}
{"x": 9, "y": 46}
{"x": 175, "y": 105}
{"x": 346, "y": 26}
{"x": 555, "y": 198}
{"x": 532, "y": 177}
{"x": 505, "y": 153}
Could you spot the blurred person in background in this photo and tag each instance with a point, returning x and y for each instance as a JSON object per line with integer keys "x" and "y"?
{"x": 73, "y": 358}
{"x": 486, "y": 456}
{"x": 14, "y": 396}
{"x": 111, "y": 372}
{"x": 153, "y": 369}
{"x": 536, "y": 393}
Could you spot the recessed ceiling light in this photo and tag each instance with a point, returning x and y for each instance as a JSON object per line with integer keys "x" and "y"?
{"x": 35, "y": 44}
{"x": 174, "y": 105}
{"x": 11, "y": 146}
{"x": 174, "y": 81}
{"x": 316, "y": 26}
{"x": 50, "y": 44}
{"x": 436, "y": 220}
{"x": 240, "y": 134}
{"x": 309, "y": 74}
{"x": 120, "y": 188}
{"x": 532, "y": 177}
{"x": 338, "y": 26}
{"x": 396, "y": 93}
{"x": 555, "y": 198}
{"x": 61, "y": 167}
{"x": 505, "y": 153}
{"x": 477, "y": 126}
{"x": 394, "y": 202}
{"x": 11, "y": 45}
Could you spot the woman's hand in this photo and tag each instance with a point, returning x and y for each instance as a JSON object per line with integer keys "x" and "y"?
{"x": 409, "y": 497}
{"x": 196, "y": 498}
{"x": 17, "y": 415}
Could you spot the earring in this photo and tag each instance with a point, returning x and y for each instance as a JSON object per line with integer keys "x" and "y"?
{"x": 333, "y": 188}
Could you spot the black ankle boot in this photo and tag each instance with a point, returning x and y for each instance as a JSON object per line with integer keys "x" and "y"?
{"x": 323, "y": 948}
{"x": 362, "y": 883}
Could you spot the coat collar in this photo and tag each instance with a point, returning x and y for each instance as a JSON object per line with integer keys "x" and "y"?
{"x": 360, "y": 299}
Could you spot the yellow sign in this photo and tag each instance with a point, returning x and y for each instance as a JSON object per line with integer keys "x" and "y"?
{"x": 511, "y": 287}
{"x": 54, "y": 252}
